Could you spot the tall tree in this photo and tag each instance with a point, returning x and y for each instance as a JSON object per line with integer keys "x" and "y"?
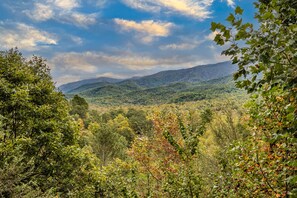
{"x": 267, "y": 58}
{"x": 107, "y": 143}
{"x": 79, "y": 106}
{"x": 37, "y": 136}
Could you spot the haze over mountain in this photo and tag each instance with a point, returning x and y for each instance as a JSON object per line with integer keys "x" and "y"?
{"x": 195, "y": 74}
{"x": 74, "y": 85}
{"x": 196, "y": 83}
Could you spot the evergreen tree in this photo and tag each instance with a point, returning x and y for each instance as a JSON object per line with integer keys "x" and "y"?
{"x": 79, "y": 106}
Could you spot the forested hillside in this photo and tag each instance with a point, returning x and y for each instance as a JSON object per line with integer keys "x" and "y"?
{"x": 195, "y": 74}
{"x": 129, "y": 93}
{"x": 167, "y": 137}
{"x": 75, "y": 85}
{"x": 197, "y": 83}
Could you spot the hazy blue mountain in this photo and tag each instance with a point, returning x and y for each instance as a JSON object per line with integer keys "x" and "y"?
{"x": 86, "y": 87}
{"x": 74, "y": 85}
{"x": 197, "y": 83}
{"x": 194, "y": 74}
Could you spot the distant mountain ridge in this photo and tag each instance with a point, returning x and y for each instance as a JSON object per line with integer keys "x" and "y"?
{"x": 74, "y": 85}
{"x": 174, "y": 86}
{"x": 194, "y": 74}
{"x": 190, "y": 75}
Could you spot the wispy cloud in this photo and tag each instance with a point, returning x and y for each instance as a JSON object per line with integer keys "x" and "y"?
{"x": 78, "y": 19}
{"x": 24, "y": 37}
{"x": 67, "y": 78}
{"x": 74, "y": 62}
{"x": 231, "y": 3}
{"x": 92, "y": 64}
{"x": 199, "y": 10}
{"x": 211, "y": 35}
{"x": 77, "y": 40}
{"x": 146, "y": 30}
{"x": 66, "y": 4}
{"x": 113, "y": 75}
{"x": 99, "y": 3}
{"x": 63, "y": 11}
{"x": 178, "y": 46}
{"x": 89, "y": 62}
{"x": 41, "y": 12}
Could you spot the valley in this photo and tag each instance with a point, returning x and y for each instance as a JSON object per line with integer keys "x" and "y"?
{"x": 175, "y": 86}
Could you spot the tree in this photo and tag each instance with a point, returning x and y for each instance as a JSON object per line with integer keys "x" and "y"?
{"x": 107, "y": 143}
{"x": 37, "y": 135}
{"x": 267, "y": 66}
{"x": 123, "y": 128}
{"x": 79, "y": 106}
{"x": 138, "y": 122}
{"x": 168, "y": 158}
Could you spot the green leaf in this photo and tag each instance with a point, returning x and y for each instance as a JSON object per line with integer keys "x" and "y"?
{"x": 231, "y": 18}
{"x": 267, "y": 15}
{"x": 238, "y": 10}
{"x": 213, "y": 26}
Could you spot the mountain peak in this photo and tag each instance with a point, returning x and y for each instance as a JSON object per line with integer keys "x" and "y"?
{"x": 195, "y": 74}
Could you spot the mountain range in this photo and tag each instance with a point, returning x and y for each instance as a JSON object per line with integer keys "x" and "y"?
{"x": 196, "y": 83}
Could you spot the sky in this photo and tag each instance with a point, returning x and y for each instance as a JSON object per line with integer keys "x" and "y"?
{"x": 82, "y": 39}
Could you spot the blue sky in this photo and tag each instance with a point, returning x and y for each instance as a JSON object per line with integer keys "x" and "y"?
{"x": 115, "y": 38}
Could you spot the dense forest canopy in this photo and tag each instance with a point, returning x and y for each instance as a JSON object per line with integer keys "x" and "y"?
{"x": 52, "y": 147}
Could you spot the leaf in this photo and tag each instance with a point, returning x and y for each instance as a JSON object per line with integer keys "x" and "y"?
{"x": 238, "y": 10}
{"x": 231, "y": 18}
{"x": 267, "y": 15}
{"x": 213, "y": 26}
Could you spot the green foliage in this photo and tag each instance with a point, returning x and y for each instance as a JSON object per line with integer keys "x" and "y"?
{"x": 79, "y": 106}
{"x": 107, "y": 143}
{"x": 167, "y": 160}
{"x": 200, "y": 73}
{"x": 119, "y": 94}
{"x": 190, "y": 136}
{"x": 38, "y": 139}
{"x": 139, "y": 122}
{"x": 118, "y": 179}
{"x": 269, "y": 50}
{"x": 187, "y": 182}
{"x": 174, "y": 86}
{"x": 267, "y": 60}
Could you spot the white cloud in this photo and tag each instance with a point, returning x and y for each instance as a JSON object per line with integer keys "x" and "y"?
{"x": 231, "y": 3}
{"x": 179, "y": 46}
{"x": 77, "y": 40}
{"x": 211, "y": 35}
{"x": 147, "y": 30}
{"x": 66, "y": 4}
{"x": 24, "y": 37}
{"x": 192, "y": 8}
{"x": 188, "y": 42}
{"x": 66, "y": 79}
{"x": 146, "y": 5}
{"x": 63, "y": 11}
{"x": 100, "y": 3}
{"x": 112, "y": 75}
{"x": 90, "y": 62}
{"x": 72, "y": 62}
{"x": 78, "y": 19}
{"x": 217, "y": 56}
{"x": 41, "y": 12}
